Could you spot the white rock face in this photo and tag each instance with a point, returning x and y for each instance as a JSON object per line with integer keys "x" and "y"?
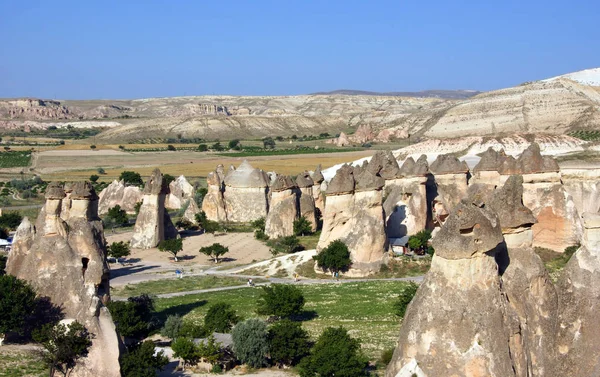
{"x": 405, "y": 206}
{"x": 180, "y": 191}
{"x": 118, "y": 194}
{"x": 282, "y": 213}
{"x": 246, "y": 194}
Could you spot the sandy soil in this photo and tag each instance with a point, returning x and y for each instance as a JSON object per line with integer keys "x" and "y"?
{"x": 243, "y": 249}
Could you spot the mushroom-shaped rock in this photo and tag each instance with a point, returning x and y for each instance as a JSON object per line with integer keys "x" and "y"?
{"x": 213, "y": 203}
{"x": 306, "y": 200}
{"x": 448, "y": 164}
{"x": 317, "y": 176}
{"x": 245, "y": 193}
{"x": 342, "y": 182}
{"x": 245, "y": 176}
{"x": 282, "y": 182}
{"x": 54, "y": 191}
{"x": 491, "y": 160}
{"x": 507, "y": 202}
{"x": 367, "y": 181}
{"x": 283, "y": 210}
{"x": 304, "y": 180}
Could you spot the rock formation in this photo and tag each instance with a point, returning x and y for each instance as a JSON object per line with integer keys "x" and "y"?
{"x": 191, "y": 210}
{"x": 153, "y": 223}
{"x": 246, "y": 194}
{"x": 318, "y": 179}
{"x": 450, "y": 184}
{"x": 65, "y": 260}
{"x": 283, "y": 208}
{"x": 354, "y": 215}
{"x": 118, "y": 194}
{"x": 180, "y": 191}
{"x": 213, "y": 203}
{"x": 306, "y": 200}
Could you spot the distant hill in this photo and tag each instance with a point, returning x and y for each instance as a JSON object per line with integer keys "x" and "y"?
{"x": 446, "y": 94}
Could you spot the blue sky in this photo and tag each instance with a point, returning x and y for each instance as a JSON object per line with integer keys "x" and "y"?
{"x": 136, "y": 49}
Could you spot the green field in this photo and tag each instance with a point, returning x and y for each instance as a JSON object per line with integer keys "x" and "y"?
{"x": 280, "y": 152}
{"x": 14, "y": 159}
{"x": 21, "y": 364}
{"x": 364, "y": 308}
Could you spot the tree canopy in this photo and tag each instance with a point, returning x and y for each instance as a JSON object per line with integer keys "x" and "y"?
{"x": 250, "y": 342}
{"x": 131, "y": 178}
{"x": 214, "y": 251}
{"x": 173, "y": 246}
{"x": 281, "y": 300}
{"x": 17, "y": 303}
{"x": 335, "y": 257}
{"x": 220, "y": 318}
{"x": 288, "y": 343}
{"x": 141, "y": 360}
{"x": 63, "y": 345}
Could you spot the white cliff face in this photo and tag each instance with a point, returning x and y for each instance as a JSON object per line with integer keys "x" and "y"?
{"x": 118, "y": 194}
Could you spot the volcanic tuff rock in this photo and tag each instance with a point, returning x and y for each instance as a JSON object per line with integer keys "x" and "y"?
{"x": 153, "y": 223}
{"x": 118, "y": 194}
{"x": 246, "y": 193}
{"x": 65, "y": 260}
{"x": 306, "y": 199}
{"x": 180, "y": 190}
{"x": 450, "y": 184}
{"x": 317, "y": 191}
{"x": 213, "y": 203}
{"x": 283, "y": 208}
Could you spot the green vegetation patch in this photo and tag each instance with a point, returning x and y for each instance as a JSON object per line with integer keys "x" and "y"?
{"x": 279, "y": 152}
{"x": 366, "y": 309}
{"x": 21, "y": 364}
{"x": 554, "y": 261}
{"x": 14, "y": 159}
{"x": 188, "y": 283}
{"x": 588, "y": 135}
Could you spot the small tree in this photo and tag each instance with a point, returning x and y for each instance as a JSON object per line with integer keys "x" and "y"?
{"x": 210, "y": 350}
{"x": 63, "y": 345}
{"x": 92, "y": 146}
{"x": 217, "y": 147}
{"x": 94, "y": 178}
{"x": 214, "y": 251}
{"x": 168, "y": 178}
{"x": 131, "y": 178}
{"x": 172, "y": 327}
{"x": 268, "y": 143}
{"x": 418, "y": 242}
{"x": 133, "y": 318}
{"x": 302, "y": 227}
{"x": 101, "y": 171}
{"x": 117, "y": 215}
{"x": 281, "y": 300}
{"x": 250, "y": 343}
{"x": 118, "y": 250}
{"x": 137, "y": 207}
{"x": 288, "y": 343}
{"x": 335, "y": 257}
{"x": 209, "y": 226}
{"x": 17, "y": 302}
{"x": 334, "y": 352}
{"x": 233, "y": 144}
{"x": 185, "y": 349}
{"x": 173, "y": 246}
{"x": 220, "y": 318}
{"x": 2, "y": 258}
{"x": 142, "y": 360}
{"x": 171, "y": 147}
{"x": 202, "y": 148}
{"x": 10, "y": 220}
{"x": 404, "y": 298}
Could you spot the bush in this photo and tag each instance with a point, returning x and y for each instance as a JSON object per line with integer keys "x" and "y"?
{"x": 260, "y": 235}
{"x": 302, "y": 227}
{"x": 281, "y": 300}
{"x": 117, "y": 216}
{"x": 192, "y": 330}
{"x": 250, "y": 343}
{"x": 63, "y": 345}
{"x": 233, "y": 144}
{"x": 172, "y": 327}
{"x": 185, "y": 224}
{"x": 185, "y": 349}
{"x": 94, "y": 178}
{"x": 142, "y": 361}
{"x": 220, "y": 318}
{"x": 118, "y": 250}
{"x": 258, "y": 224}
{"x": 137, "y": 207}
{"x": 173, "y": 246}
{"x": 268, "y": 143}
{"x": 168, "y": 178}
{"x": 287, "y": 245}
{"x": 418, "y": 242}
{"x": 202, "y": 148}
{"x": 209, "y": 226}
{"x": 92, "y": 146}
{"x": 17, "y": 303}
{"x": 210, "y": 350}
{"x": 199, "y": 195}
{"x": 10, "y": 220}
{"x": 101, "y": 171}
{"x": 334, "y": 353}
{"x": 404, "y": 298}
{"x": 2, "y": 264}
{"x": 288, "y": 343}
{"x": 171, "y": 147}
{"x": 217, "y": 147}
{"x": 386, "y": 356}
{"x": 133, "y": 318}
{"x": 335, "y": 257}
{"x": 214, "y": 251}
{"x": 131, "y": 178}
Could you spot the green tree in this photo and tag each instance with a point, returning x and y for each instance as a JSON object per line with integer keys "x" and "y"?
{"x": 335, "y": 257}
{"x": 418, "y": 242}
{"x": 217, "y": 147}
{"x": 142, "y": 361}
{"x": 117, "y": 216}
{"x": 209, "y": 226}
{"x": 210, "y": 350}
{"x": 214, "y": 251}
{"x": 131, "y": 178}
{"x": 258, "y": 224}
{"x": 94, "y": 178}
{"x": 288, "y": 343}
{"x": 133, "y": 318}
{"x": 268, "y": 143}
{"x": 137, "y": 207}
{"x": 118, "y": 250}
{"x": 250, "y": 343}
{"x": 289, "y": 244}
{"x": 404, "y": 298}
{"x": 2, "y": 260}
{"x": 172, "y": 326}
{"x": 168, "y": 178}
{"x": 186, "y": 350}
{"x": 281, "y": 300}
{"x": 173, "y": 246}
{"x": 10, "y": 220}
{"x": 171, "y": 147}
{"x": 199, "y": 195}
{"x": 192, "y": 330}
{"x": 17, "y": 303}
{"x": 101, "y": 171}
{"x": 63, "y": 345}
{"x": 334, "y": 354}
{"x": 302, "y": 227}
{"x": 92, "y": 146}
{"x": 220, "y": 317}
{"x": 233, "y": 144}
{"x": 202, "y": 148}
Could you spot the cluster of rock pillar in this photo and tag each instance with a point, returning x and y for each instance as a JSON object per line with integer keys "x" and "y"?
{"x": 63, "y": 256}
{"x": 488, "y": 306}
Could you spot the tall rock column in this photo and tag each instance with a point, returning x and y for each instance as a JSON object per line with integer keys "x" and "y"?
{"x": 306, "y": 199}
{"x": 68, "y": 265}
{"x": 283, "y": 208}
{"x": 246, "y": 194}
{"x": 153, "y": 223}
{"x": 454, "y": 325}
{"x": 450, "y": 184}
{"x": 213, "y": 203}
{"x": 318, "y": 195}
{"x": 339, "y": 209}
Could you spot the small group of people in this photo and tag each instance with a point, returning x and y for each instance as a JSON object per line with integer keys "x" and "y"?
{"x": 179, "y": 273}
{"x": 250, "y": 282}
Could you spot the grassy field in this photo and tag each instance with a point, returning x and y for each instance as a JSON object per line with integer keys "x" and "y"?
{"x": 13, "y": 159}
{"x": 189, "y": 283}
{"x": 20, "y": 363}
{"x": 364, "y": 308}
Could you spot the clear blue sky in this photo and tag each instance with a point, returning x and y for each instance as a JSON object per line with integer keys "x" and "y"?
{"x": 135, "y": 49}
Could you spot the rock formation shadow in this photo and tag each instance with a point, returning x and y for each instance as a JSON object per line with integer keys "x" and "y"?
{"x": 502, "y": 257}
{"x": 129, "y": 270}
{"x": 180, "y": 310}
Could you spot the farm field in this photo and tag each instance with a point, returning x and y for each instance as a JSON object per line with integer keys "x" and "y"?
{"x": 364, "y": 308}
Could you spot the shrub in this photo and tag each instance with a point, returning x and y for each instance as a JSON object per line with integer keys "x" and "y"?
{"x": 17, "y": 303}
{"x": 10, "y": 220}
{"x": 268, "y": 143}
{"x": 92, "y": 146}
{"x": 386, "y": 356}
{"x": 173, "y": 246}
{"x": 334, "y": 353}
{"x": 404, "y": 298}
{"x": 220, "y": 318}
{"x": 217, "y": 147}
{"x": 171, "y": 147}
{"x": 281, "y": 300}
{"x": 118, "y": 250}
{"x": 199, "y": 195}
{"x": 172, "y": 327}
{"x": 63, "y": 345}
{"x": 2, "y": 262}
{"x": 185, "y": 224}
{"x": 214, "y": 251}
{"x": 335, "y": 257}
{"x": 202, "y": 148}
{"x": 117, "y": 216}
{"x": 133, "y": 318}
{"x": 101, "y": 171}
{"x": 94, "y": 178}
{"x": 302, "y": 227}
{"x": 233, "y": 144}
{"x": 131, "y": 178}
{"x": 288, "y": 343}
{"x": 209, "y": 226}
{"x": 185, "y": 349}
{"x": 250, "y": 343}
{"x": 142, "y": 361}
{"x": 289, "y": 244}
{"x": 192, "y": 330}
{"x": 210, "y": 350}
{"x": 260, "y": 235}
{"x": 137, "y": 207}
{"x": 168, "y": 178}
{"x": 258, "y": 224}
{"x": 418, "y": 242}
